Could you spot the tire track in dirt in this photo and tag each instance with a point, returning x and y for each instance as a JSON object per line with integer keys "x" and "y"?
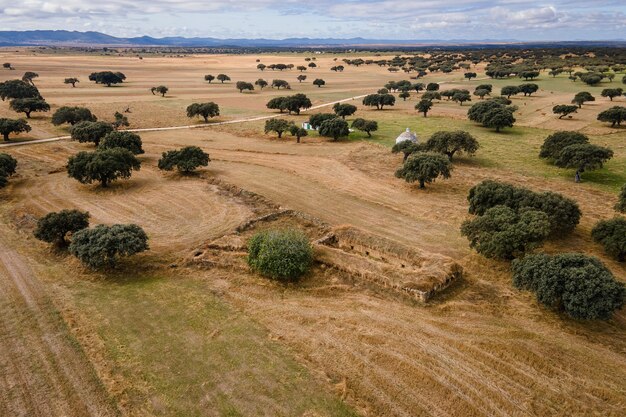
{"x": 44, "y": 373}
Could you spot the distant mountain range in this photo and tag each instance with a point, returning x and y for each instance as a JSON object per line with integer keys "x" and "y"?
{"x": 75, "y": 38}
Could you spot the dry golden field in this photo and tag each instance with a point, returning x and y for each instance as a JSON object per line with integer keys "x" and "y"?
{"x": 159, "y": 337}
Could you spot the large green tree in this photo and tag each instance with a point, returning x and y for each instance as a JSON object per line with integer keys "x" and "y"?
{"x": 126, "y": 140}
{"x": 583, "y": 157}
{"x": 424, "y": 168}
{"x": 564, "y": 110}
{"x": 29, "y": 105}
{"x": 334, "y": 128}
{"x": 185, "y": 160}
{"x": 554, "y": 143}
{"x": 12, "y": 89}
{"x": 277, "y": 125}
{"x": 16, "y": 126}
{"x": 103, "y": 245}
{"x": 503, "y": 233}
{"x": 577, "y": 284}
{"x": 343, "y": 109}
{"x": 87, "y": 131}
{"x": 582, "y": 97}
{"x": 452, "y": 142}
{"x": 102, "y": 166}
{"x": 54, "y": 227}
{"x": 367, "y": 126}
{"x": 205, "y": 110}
{"x": 72, "y": 115}
{"x": 615, "y": 115}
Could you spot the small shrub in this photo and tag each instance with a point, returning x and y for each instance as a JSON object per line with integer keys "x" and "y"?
{"x": 283, "y": 255}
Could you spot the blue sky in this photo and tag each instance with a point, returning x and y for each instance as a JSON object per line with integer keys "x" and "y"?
{"x": 380, "y": 19}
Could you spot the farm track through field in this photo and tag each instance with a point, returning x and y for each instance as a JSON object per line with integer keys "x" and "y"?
{"x": 43, "y": 372}
{"x": 195, "y": 126}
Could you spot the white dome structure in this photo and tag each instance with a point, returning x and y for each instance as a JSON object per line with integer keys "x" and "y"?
{"x": 407, "y": 135}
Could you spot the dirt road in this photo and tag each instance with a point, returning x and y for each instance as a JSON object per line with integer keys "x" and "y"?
{"x": 43, "y": 372}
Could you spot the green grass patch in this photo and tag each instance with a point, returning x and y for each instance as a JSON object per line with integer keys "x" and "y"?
{"x": 187, "y": 353}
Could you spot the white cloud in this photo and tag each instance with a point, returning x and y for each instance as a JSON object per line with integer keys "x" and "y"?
{"x": 559, "y": 19}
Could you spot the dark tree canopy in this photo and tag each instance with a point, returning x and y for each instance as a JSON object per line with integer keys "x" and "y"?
{"x": 16, "y": 126}
{"x": 243, "y": 85}
{"x": 424, "y": 106}
{"x": 102, "y": 246}
{"x": 8, "y": 165}
{"x": 185, "y": 160}
{"x": 615, "y": 115}
{"x": 29, "y": 76}
{"x": 343, "y": 109}
{"x": 277, "y": 125}
{"x": 379, "y": 100}
{"x": 126, "y": 140}
{"x": 554, "y": 144}
{"x": 261, "y": 83}
{"x": 280, "y": 83}
{"x": 577, "y": 284}
{"x": 160, "y": 89}
{"x": 498, "y": 118}
{"x": 107, "y": 78}
{"x": 407, "y": 148}
{"x": 102, "y": 166}
{"x": 72, "y": 115}
{"x": 424, "y": 168}
{"x": 71, "y": 80}
{"x": 611, "y": 93}
{"x": 528, "y": 89}
{"x": 582, "y": 97}
{"x": 563, "y": 213}
{"x": 87, "y": 131}
{"x": 367, "y": 126}
{"x": 298, "y": 132}
{"x": 503, "y": 233}
{"x": 12, "y": 89}
{"x": 319, "y": 82}
{"x": 205, "y": 110}
{"x": 564, "y": 110}
{"x": 301, "y": 77}
{"x": 297, "y": 103}
{"x": 461, "y": 96}
{"x": 29, "y": 105}
{"x": 451, "y": 142}
{"x": 315, "y": 120}
{"x": 612, "y": 235}
{"x": 509, "y": 91}
{"x": 334, "y": 128}
{"x": 583, "y": 157}
{"x": 54, "y": 227}
{"x": 223, "y": 77}
{"x": 209, "y": 78}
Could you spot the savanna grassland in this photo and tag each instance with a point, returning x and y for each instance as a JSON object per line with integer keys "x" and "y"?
{"x": 157, "y": 336}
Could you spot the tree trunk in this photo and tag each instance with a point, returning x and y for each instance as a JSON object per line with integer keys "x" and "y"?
{"x": 104, "y": 183}
{"x": 206, "y": 119}
{"x": 27, "y": 114}
{"x": 422, "y": 185}
{"x": 298, "y": 139}
{"x": 369, "y": 135}
{"x": 6, "y": 136}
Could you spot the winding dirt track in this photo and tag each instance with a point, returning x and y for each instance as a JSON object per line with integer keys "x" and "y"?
{"x": 43, "y": 371}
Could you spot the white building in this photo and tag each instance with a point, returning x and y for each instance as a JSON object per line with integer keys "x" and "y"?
{"x": 407, "y": 135}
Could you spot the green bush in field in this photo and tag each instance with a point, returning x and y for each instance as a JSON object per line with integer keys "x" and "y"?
{"x": 577, "y": 284}
{"x": 283, "y": 255}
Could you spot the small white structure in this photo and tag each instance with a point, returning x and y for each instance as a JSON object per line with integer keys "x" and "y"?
{"x": 407, "y": 135}
{"x": 307, "y": 126}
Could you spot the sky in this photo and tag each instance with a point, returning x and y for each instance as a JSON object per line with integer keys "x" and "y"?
{"x": 373, "y": 19}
